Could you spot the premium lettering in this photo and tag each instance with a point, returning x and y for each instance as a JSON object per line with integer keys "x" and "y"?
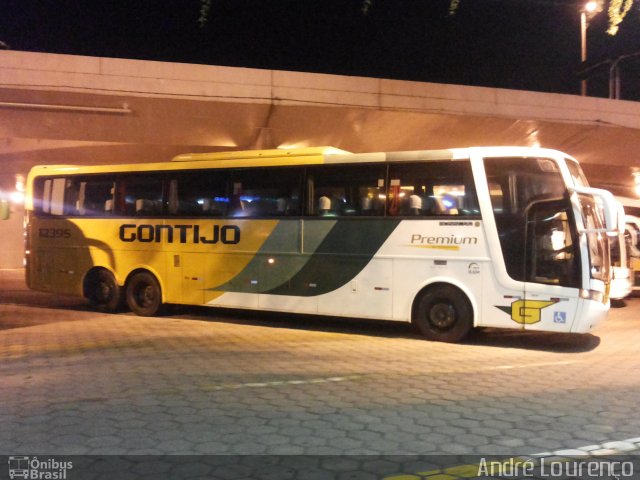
{"x": 210, "y": 234}
{"x": 416, "y": 238}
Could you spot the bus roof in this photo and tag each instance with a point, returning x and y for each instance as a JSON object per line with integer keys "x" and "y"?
{"x": 250, "y": 154}
{"x": 284, "y": 157}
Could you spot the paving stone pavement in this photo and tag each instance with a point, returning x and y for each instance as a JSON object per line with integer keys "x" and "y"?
{"x": 206, "y": 382}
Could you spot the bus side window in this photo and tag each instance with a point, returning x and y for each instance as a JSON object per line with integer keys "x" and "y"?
{"x": 49, "y": 196}
{"x": 260, "y": 192}
{"x": 198, "y": 194}
{"x": 93, "y": 196}
{"x": 140, "y": 195}
{"x": 431, "y": 188}
{"x": 410, "y": 193}
{"x": 346, "y": 190}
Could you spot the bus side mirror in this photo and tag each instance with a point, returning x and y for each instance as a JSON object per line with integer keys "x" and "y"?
{"x": 608, "y": 203}
{"x": 5, "y": 209}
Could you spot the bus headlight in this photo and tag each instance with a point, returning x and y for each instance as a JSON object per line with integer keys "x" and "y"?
{"x": 592, "y": 295}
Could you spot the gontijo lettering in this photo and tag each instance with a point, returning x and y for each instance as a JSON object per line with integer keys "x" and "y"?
{"x": 147, "y": 233}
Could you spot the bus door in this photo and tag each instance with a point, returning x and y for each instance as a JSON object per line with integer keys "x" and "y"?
{"x": 192, "y": 276}
{"x": 552, "y": 266}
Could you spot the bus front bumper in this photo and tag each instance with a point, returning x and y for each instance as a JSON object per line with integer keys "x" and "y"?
{"x": 590, "y": 314}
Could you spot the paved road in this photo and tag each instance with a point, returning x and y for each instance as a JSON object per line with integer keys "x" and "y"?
{"x": 202, "y": 381}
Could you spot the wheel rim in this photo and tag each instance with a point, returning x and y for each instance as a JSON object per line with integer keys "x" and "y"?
{"x": 104, "y": 292}
{"x": 442, "y": 316}
{"x": 146, "y": 296}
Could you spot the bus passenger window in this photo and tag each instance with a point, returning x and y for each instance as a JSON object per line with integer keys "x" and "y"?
{"x": 50, "y": 196}
{"x": 195, "y": 194}
{"x": 93, "y": 196}
{"x": 431, "y": 189}
{"x": 260, "y": 192}
{"x": 140, "y": 195}
{"x": 346, "y": 190}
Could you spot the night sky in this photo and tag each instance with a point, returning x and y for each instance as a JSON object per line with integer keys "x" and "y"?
{"x": 520, "y": 44}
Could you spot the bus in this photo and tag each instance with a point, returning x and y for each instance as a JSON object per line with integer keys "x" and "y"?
{"x": 632, "y": 232}
{"x": 450, "y": 240}
{"x": 621, "y": 260}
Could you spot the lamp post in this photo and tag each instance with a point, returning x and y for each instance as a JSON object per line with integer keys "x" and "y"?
{"x": 586, "y": 13}
{"x": 614, "y": 75}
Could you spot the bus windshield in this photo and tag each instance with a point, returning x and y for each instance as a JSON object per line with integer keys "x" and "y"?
{"x": 577, "y": 175}
{"x": 599, "y": 258}
{"x": 532, "y": 188}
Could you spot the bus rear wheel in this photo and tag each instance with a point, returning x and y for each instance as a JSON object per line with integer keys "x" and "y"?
{"x": 443, "y": 313}
{"x": 103, "y": 292}
{"x": 144, "y": 296}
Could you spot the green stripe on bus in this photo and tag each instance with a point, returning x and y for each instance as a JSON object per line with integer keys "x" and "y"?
{"x": 279, "y": 257}
{"x": 343, "y": 253}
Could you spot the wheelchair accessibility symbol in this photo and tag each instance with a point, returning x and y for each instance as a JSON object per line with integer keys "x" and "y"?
{"x": 559, "y": 317}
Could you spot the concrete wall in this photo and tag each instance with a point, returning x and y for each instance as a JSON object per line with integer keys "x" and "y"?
{"x": 91, "y": 110}
{"x": 12, "y": 239}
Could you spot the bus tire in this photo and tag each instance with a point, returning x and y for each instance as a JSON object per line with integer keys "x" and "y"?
{"x": 443, "y": 313}
{"x": 143, "y": 294}
{"x": 103, "y": 292}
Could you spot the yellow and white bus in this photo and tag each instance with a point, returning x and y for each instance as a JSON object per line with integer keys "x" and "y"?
{"x": 447, "y": 239}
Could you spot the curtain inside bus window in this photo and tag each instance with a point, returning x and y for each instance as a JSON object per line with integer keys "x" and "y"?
{"x": 44, "y": 203}
{"x": 49, "y": 196}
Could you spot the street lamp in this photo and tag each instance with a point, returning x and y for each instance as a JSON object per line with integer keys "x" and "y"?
{"x": 587, "y": 11}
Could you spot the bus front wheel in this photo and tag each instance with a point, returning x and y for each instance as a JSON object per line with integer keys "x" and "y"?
{"x": 443, "y": 313}
{"x": 103, "y": 291}
{"x": 144, "y": 296}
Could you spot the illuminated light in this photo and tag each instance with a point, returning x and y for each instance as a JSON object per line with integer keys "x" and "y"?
{"x": 20, "y": 183}
{"x": 448, "y": 203}
{"x": 532, "y": 137}
{"x": 322, "y": 150}
{"x": 271, "y": 261}
{"x": 292, "y": 146}
{"x": 220, "y": 141}
{"x": 590, "y": 7}
{"x": 636, "y": 181}
{"x": 17, "y": 197}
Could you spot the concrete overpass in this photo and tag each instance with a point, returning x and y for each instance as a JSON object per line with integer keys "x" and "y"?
{"x": 87, "y": 110}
